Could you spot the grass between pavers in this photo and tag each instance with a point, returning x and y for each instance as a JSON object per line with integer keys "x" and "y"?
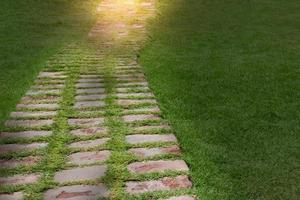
{"x": 31, "y": 31}
{"x": 226, "y": 74}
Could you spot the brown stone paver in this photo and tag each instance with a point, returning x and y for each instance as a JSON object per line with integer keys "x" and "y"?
{"x": 77, "y": 192}
{"x": 89, "y": 143}
{"x": 86, "y": 121}
{"x": 89, "y": 104}
{"x": 183, "y": 197}
{"x": 167, "y": 183}
{"x": 26, "y": 134}
{"x": 149, "y": 128}
{"x": 140, "y": 117}
{"x": 33, "y": 114}
{"x": 80, "y": 174}
{"x": 90, "y": 157}
{"x": 14, "y": 196}
{"x": 19, "y": 179}
{"x": 10, "y": 163}
{"x": 7, "y": 148}
{"x": 157, "y": 166}
{"x": 148, "y": 152}
{"x": 146, "y": 138}
{"x": 89, "y": 131}
{"x": 28, "y": 123}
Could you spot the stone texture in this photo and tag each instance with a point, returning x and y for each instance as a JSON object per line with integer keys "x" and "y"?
{"x": 86, "y": 121}
{"x": 140, "y": 117}
{"x": 134, "y": 95}
{"x": 90, "y": 91}
{"x": 149, "y": 152}
{"x": 90, "y": 157}
{"x": 39, "y": 100}
{"x": 139, "y": 139}
{"x": 19, "y": 179}
{"x": 33, "y": 114}
{"x": 154, "y": 109}
{"x": 80, "y": 174}
{"x": 51, "y": 75}
{"x": 128, "y": 102}
{"x": 90, "y": 97}
{"x": 28, "y": 123}
{"x": 88, "y": 131}
{"x": 89, "y": 104}
{"x": 89, "y": 85}
{"x": 6, "y": 148}
{"x": 89, "y": 80}
{"x": 132, "y": 79}
{"x": 131, "y": 89}
{"x": 10, "y": 163}
{"x": 53, "y": 106}
{"x": 166, "y": 183}
{"x": 89, "y": 143}
{"x": 132, "y": 84}
{"x": 149, "y": 128}
{"x": 43, "y": 92}
{"x": 26, "y": 134}
{"x": 48, "y": 86}
{"x": 14, "y": 196}
{"x": 89, "y": 76}
{"x": 183, "y": 197}
{"x": 157, "y": 166}
{"x": 77, "y": 192}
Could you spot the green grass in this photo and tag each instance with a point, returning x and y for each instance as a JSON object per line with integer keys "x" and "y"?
{"x": 226, "y": 74}
{"x": 30, "y": 32}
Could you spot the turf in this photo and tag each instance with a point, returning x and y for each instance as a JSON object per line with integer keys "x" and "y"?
{"x": 30, "y": 32}
{"x": 226, "y": 74}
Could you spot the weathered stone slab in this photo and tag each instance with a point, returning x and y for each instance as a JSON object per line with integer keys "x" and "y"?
{"x": 10, "y": 163}
{"x": 26, "y": 134}
{"x": 90, "y": 80}
{"x": 127, "y": 90}
{"x": 89, "y": 104}
{"x": 19, "y": 179}
{"x": 90, "y": 97}
{"x": 166, "y": 183}
{"x": 43, "y": 92}
{"x": 78, "y": 192}
{"x": 39, "y": 99}
{"x": 90, "y": 76}
{"x": 49, "y": 81}
{"x": 154, "y": 109}
{"x": 89, "y": 131}
{"x": 86, "y": 121}
{"x": 130, "y": 84}
{"x": 137, "y": 75}
{"x": 149, "y": 152}
{"x": 7, "y": 148}
{"x": 52, "y": 106}
{"x": 128, "y": 102}
{"x": 89, "y": 85}
{"x": 134, "y": 95}
{"x": 90, "y": 91}
{"x": 149, "y": 128}
{"x": 14, "y": 196}
{"x": 33, "y": 114}
{"x": 51, "y": 75}
{"x": 139, "y": 139}
{"x": 90, "y": 157}
{"x": 132, "y": 79}
{"x": 80, "y": 174}
{"x": 48, "y": 86}
{"x": 157, "y": 166}
{"x": 183, "y": 197}
{"x": 140, "y": 117}
{"x": 89, "y": 143}
{"x": 28, "y": 123}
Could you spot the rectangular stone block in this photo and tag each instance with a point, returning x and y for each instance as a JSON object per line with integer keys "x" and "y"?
{"x": 139, "y": 138}
{"x": 90, "y": 157}
{"x": 89, "y": 85}
{"x": 89, "y": 104}
{"x": 140, "y": 117}
{"x": 7, "y": 148}
{"x": 86, "y": 121}
{"x": 26, "y": 134}
{"x": 89, "y": 80}
{"x": 32, "y": 114}
{"x": 43, "y": 92}
{"x": 89, "y": 131}
{"x": 50, "y": 106}
{"x": 149, "y": 152}
{"x": 134, "y": 95}
{"x": 13, "y": 196}
{"x": 129, "y": 102}
{"x": 29, "y": 123}
{"x": 19, "y": 179}
{"x": 15, "y": 162}
{"x": 90, "y": 91}
{"x": 91, "y": 97}
{"x": 51, "y": 75}
{"x": 89, "y": 143}
{"x": 132, "y": 84}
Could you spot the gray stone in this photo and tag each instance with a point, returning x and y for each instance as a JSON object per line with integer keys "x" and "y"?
{"x": 51, "y": 75}
{"x": 39, "y": 99}
{"x": 80, "y": 174}
{"x": 52, "y": 106}
{"x": 43, "y": 92}
{"x": 140, "y": 117}
{"x": 48, "y": 86}
{"x": 7, "y": 148}
{"x": 26, "y": 134}
{"x": 128, "y": 90}
{"x": 139, "y": 139}
{"x": 89, "y": 104}
{"x": 78, "y": 192}
{"x": 134, "y": 95}
{"x": 132, "y": 84}
{"x": 90, "y": 76}
{"x": 90, "y": 91}
{"x": 14, "y": 196}
{"x": 90, "y": 157}
{"x": 128, "y": 102}
{"x": 19, "y": 179}
{"x": 150, "y": 128}
{"x": 89, "y": 131}
{"x": 89, "y": 85}
{"x": 11, "y": 163}
{"x": 132, "y": 79}
{"x": 154, "y": 109}
{"x": 86, "y": 121}
{"x": 163, "y": 184}
{"x": 89, "y": 143}
{"x": 157, "y": 166}
{"x": 90, "y": 97}
{"x": 90, "y": 80}
{"x": 149, "y": 152}
{"x": 33, "y": 114}
{"x": 29, "y": 123}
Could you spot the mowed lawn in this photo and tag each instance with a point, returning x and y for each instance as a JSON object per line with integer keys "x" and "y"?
{"x": 30, "y": 32}
{"x": 227, "y": 76}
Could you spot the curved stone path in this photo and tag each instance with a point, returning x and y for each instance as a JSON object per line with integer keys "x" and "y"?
{"x": 90, "y": 126}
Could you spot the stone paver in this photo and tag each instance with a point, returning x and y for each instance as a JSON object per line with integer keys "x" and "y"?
{"x": 140, "y": 117}
{"x": 89, "y": 104}
{"x": 28, "y": 123}
{"x": 38, "y": 106}
{"x": 90, "y": 157}
{"x": 89, "y": 85}
{"x": 183, "y": 197}
{"x": 128, "y": 102}
{"x": 90, "y": 97}
{"x": 77, "y": 192}
{"x": 89, "y": 131}
{"x": 26, "y": 134}
{"x": 148, "y": 152}
{"x": 14, "y": 196}
{"x": 134, "y": 95}
{"x": 7, "y": 148}
{"x": 10, "y": 163}
{"x": 19, "y": 179}
{"x": 86, "y": 121}
{"x": 157, "y": 166}
{"x": 149, "y": 128}
{"x": 38, "y": 100}
{"x": 132, "y": 84}
{"x": 90, "y": 91}
{"x": 167, "y": 183}
{"x": 89, "y": 143}
{"x": 90, "y": 80}
{"x": 143, "y": 138}
{"x": 51, "y": 75}
{"x": 43, "y": 92}
{"x": 33, "y": 114}
{"x": 80, "y": 174}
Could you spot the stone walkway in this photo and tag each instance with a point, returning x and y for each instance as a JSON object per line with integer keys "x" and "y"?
{"x": 90, "y": 127}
